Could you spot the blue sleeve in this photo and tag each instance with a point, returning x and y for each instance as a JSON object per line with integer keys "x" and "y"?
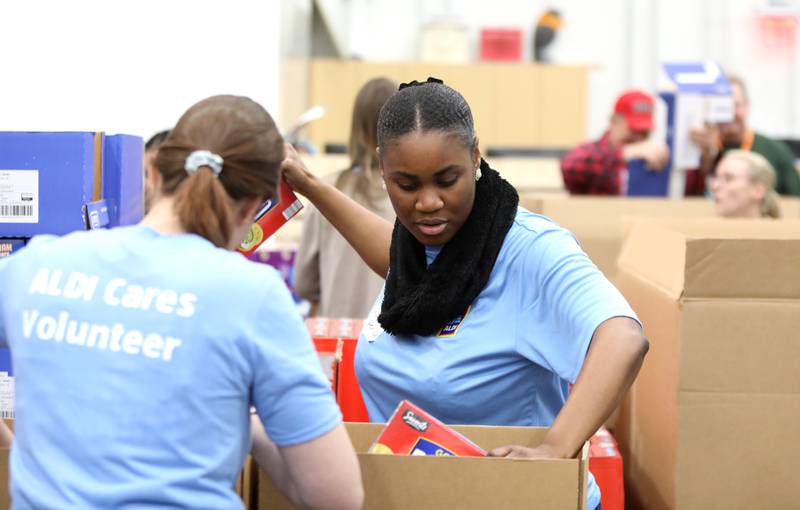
{"x": 564, "y": 299}
{"x": 290, "y": 393}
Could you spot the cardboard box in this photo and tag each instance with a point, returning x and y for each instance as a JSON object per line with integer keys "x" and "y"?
{"x": 711, "y": 419}
{"x": 404, "y": 482}
{"x": 246, "y": 485}
{"x": 54, "y": 178}
{"x": 5, "y": 497}
{"x": 698, "y": 92}
{"x": 597, "y": 222}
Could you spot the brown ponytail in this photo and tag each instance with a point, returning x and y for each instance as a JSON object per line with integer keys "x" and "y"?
{"x": 364, "y": 132}
{"x": 204, "y": 208}
{"x": 244, "y": 135}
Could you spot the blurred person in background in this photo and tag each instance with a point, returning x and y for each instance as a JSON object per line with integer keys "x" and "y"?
{"x": 715, "y": 140}
{"x": 329, "y": 273}
{"x": 600, "y": 167}
{"x": 150, "y": 153}
{"x": 743, "y": 186}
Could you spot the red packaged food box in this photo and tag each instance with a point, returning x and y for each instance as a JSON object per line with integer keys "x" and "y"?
{"x": 272, "y": 215}
{"x": 605, "y": 463}
{"x": 412, "y": 431}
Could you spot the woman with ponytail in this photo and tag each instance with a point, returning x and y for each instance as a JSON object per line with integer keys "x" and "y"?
{"x": 744, "y": 186}
{"x": 139, "y": 351}
{"x": 488, "y": 311}
{"x": 326, "y": 263}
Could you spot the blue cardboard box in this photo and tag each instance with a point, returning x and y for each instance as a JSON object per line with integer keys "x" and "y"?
{"x": 48, "y": 181}
{"x": 123, "y": 179}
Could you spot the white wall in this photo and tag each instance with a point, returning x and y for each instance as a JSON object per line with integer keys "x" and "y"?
{"x": 131, "y": 66}
{"x": 625, "y": 41}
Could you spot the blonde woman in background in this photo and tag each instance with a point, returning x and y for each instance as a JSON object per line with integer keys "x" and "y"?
{"x": 329, "y": 273}
{"x": 744, "y": 186}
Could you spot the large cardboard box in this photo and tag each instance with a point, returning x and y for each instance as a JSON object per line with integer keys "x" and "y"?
{"x": 599, "y": 222}
{"x": 403, "y": 482}
{"x": 712, "y": 417}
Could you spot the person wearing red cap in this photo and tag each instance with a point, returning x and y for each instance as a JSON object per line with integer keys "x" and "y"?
{"x": 599, "y": 167}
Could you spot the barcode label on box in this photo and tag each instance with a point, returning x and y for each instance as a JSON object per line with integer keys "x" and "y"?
{"x": 292, "y": 209}
{"x": 16, "y": 210}
{"x": 6, "y": 396}
{"x": 19, "y": 196}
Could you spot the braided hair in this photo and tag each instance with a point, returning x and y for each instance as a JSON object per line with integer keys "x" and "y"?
{"x": 427, "y": 106}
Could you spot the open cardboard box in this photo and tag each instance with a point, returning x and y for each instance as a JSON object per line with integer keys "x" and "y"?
{"x": 403, "y": 482}
{"x": 712, "y": 417}
{"x": 598, "y": 222}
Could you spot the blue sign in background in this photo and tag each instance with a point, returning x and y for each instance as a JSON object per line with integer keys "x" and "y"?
{"x": 699, "y": 77}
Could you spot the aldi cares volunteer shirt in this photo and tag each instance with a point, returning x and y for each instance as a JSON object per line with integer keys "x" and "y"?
{"x": 137, "y": 357}
{"x": 509, "y": 359}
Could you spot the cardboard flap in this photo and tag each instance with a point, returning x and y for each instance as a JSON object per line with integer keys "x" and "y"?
{"x": 716, "y": 258}
{"x": 656, "y": 255}
{"x": 487, "y": 437}
{"x": 755, "y": 268}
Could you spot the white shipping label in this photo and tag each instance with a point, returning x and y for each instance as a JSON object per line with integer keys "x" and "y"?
{"x": 6, "y": 396}
{"x": 19, "y": 196}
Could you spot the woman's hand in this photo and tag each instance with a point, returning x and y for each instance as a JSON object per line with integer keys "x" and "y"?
{"x": 543, "y": 451}
{"x": 296, "y": 173}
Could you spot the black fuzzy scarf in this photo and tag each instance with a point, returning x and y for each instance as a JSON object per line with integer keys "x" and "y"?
{"x": 421, "y": 299}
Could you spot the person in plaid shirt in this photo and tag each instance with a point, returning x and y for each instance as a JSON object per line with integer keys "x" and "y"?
{"x": 599, "y": 167}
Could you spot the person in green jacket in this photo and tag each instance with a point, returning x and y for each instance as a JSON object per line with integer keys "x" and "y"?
{"x": 717, "y": 139}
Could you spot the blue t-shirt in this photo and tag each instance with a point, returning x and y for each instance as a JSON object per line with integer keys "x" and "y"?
{"x": 511, "y": 356}
{"x": 137, "y": 358}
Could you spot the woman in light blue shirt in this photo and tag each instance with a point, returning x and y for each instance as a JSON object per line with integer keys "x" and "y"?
{"x": 139, "y": 351}
{"x": 489, "y": 311}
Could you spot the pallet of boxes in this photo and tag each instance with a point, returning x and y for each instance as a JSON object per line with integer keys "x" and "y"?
{"x": 712, "y": 417}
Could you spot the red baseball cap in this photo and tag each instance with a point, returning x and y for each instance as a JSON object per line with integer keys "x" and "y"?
{"x": 637, "y": 109}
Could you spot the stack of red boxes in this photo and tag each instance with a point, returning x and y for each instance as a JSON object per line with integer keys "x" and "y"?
{"x": 605, "y": 463}
{"x": 335, "y": 340}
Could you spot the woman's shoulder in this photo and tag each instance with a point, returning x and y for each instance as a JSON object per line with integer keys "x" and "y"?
{"x": 532, "y": 233}
{"x": 530, "y": 225}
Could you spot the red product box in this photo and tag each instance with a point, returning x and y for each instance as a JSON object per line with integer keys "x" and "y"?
{"x": 348, "y": 391}
{"x": 412, "y": 431}
{"x": 272, "y": 215}
{"x": 341, "y": 337}
{"x": 605, "y": 463}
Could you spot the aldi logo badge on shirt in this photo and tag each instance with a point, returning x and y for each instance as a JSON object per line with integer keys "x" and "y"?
{"x": 451, "y": 328}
